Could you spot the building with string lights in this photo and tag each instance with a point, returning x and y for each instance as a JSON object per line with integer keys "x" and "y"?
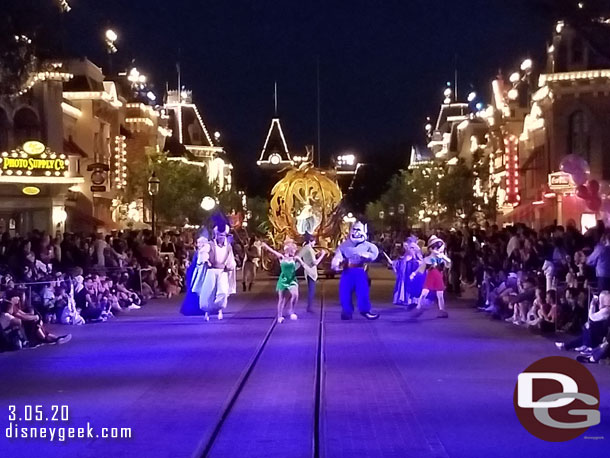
{"x": 38, "y": 165}
{"x": 189, "y": 140}
{"x": 539, "y": 121}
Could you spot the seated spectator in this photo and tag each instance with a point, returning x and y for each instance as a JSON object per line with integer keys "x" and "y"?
{"x": 520, "y": 298}
{"x": 533, "y": 315}
{"x": 595, "y": 329}
{"x": 572, "y": 311}
{"x": 548, "y": 313}
{"x": 12, "y": 334}
{"x": 598, "y": 353}
{"x": 32, "y": 323}
{"x": 85, "y": 299}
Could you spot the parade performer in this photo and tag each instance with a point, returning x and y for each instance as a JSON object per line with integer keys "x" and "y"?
{"x": 434, "y": 265}
{"x": 287, "y": 285}
{"x": 354, "y": 253}
{"x": 408, "y": 289}
{"x": 219, "y": 280}
{"x": 195, "y": 275}
{"x": 252, "y": 259}
{"x": 308, "y": 255}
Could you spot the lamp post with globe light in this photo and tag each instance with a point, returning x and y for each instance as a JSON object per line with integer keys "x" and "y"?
{"x": 153, "y": 190}
{"x": 110, "y": 38}
{"x": 208, "y": 203}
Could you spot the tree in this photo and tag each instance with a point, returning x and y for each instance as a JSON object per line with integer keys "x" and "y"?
{"x": 437, "y": 194}
{"x": 181, "y": 189}
{"x": 258, "y": 219}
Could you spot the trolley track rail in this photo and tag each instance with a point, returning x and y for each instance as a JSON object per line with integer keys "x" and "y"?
{"x": 207, "y": 444}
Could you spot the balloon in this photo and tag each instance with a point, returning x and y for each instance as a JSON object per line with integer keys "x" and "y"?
{"x": 573, "y": 163}
{"x": 582, "y": 192}
{"x": 593, "y": 186}
{"x": 579, "y": 178}
{"x": 594, "y": 203}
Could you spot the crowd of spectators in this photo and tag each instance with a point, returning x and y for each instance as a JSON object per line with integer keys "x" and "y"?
{"x": 75, "y": 279}
{"x": 555, "y": 281}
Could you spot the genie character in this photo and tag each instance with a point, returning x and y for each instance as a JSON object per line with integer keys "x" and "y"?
{"x": 354, "y": 254}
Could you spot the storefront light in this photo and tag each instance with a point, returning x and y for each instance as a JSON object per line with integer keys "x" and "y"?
{"x": 59, "y": 215}
{"x": 31, "y": 190}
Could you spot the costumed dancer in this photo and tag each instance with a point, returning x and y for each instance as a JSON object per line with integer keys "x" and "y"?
{"x": 195, "y": 275}
{"x": 287, "y": 285}
{"x": 251, "y": 262}
{"x": 308, "y": 255}
{"x": 408, "y": 289}
{"x": 434, "y": 265}
{"x": 219, "y": 280}
{"x": 354, "y": 253}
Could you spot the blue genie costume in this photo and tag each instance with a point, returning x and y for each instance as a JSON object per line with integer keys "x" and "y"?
{"x": 409, "y": 280}
{"x": 195, "y": 275}
{"x": 354, "y": 254}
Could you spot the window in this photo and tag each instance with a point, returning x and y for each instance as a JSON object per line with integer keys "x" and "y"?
{"x": 27, "y": 126}
{"x": 579, "y": 135}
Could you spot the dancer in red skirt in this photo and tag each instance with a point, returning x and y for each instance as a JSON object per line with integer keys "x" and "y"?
{"x": 434, "y": 264}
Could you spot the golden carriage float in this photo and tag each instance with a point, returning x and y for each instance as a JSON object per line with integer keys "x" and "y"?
{"x": 306, "y": 200}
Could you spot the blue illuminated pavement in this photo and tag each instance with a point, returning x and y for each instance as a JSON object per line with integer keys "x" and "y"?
{"x": 392, "y": 388}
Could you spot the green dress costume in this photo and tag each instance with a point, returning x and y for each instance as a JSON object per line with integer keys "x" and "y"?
{"x": 288, "y": 276}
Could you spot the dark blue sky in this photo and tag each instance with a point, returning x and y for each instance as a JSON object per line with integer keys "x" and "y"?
{"x": 383, "y": 64}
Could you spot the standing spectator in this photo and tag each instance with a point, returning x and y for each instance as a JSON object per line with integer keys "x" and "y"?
{"x": 600, "y": 258}
{"x": 99, "y": 246}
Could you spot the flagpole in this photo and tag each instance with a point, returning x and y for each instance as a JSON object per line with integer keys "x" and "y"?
{"x": 318, "y": 110}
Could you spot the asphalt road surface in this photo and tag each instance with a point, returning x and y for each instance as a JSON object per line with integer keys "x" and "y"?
{"x": 246, "y": 387}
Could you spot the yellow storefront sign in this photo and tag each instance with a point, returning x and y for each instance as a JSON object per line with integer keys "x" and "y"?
{"x": 32, "y": 164}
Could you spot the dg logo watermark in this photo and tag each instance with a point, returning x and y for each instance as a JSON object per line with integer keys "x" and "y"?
{"x": 557, "y": 399}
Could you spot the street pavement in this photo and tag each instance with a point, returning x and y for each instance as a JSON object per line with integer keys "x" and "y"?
{"x": 391, "y": 387}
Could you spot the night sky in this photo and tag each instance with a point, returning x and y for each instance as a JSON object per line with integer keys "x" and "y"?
{"x": 383, "y": 64}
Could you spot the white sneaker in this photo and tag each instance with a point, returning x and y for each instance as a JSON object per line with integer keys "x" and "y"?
{"x": 293, "y": 316}
{"x": 560, "y": 345}
{"x": 280, "y": 319}
{"x": 134, "y": 307}
{"x": 206, "y": 317}
{"x": 220, "y": 314}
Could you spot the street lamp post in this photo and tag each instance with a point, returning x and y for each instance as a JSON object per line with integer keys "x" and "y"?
{"x": 153, "y": 190}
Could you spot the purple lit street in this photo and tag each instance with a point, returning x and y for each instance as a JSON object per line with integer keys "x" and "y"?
{"x": 390, "y": 388}
{"x": 315, "y": 229}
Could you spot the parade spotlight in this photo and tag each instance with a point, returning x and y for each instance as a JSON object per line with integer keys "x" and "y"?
{"x": 527, "y": 65}
{"x": 472, "y": 96}
{"x": 513, "y": 94}
{"x": 151, "y": 96}
{"x": 515, "y": 77}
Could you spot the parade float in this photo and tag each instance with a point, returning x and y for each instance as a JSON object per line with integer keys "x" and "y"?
{"x": 307, "y": 200}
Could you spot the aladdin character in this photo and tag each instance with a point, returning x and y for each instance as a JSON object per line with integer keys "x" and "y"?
{"x": 408, "y": 289}
{"x": 195, "y": 275}
{"x": 434, "y": 264}
{"x": 354, "y": 253}
{"x": 219, "y": 280}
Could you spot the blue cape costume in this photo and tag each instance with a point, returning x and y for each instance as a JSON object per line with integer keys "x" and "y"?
{"x": 407, "y": 290}
{"x": 194, "y": 278}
